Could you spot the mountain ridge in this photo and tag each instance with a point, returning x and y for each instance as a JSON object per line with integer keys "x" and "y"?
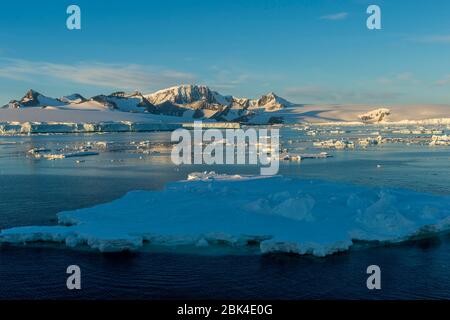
{"x": 187, "y": 100}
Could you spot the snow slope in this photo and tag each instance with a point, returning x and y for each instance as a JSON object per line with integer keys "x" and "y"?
{"x": 73, "y": 98}
{"x": 279, "y": 214}
{"x": 80, "y": 113}
{"x": 330, "y": 113}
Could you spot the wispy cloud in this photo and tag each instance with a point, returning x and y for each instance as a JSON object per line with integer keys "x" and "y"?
{"x": 119, "y": 76}
{"x": 233, "y": 79}
{"x": 313, "y": 93}
{"x": 444, "y": 81}
{"x": 432, "y": 39}
{"x": 335, "y": 16}
{"x": 398, "y": 78}
{"x": 223, "y": 78}
{"x": 316, "y": 93}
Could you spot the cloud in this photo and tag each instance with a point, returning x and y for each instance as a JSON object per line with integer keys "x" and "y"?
{"x": 118, "y": 76}
{"x": 326, "y": 95}
{"x": 226, "y": 79}
{"x": 433, "y": 39}
{"x": 232, "y": 79}
{"x": 315, "y": 93}
{"x": 398, "y": 78}
{"x": 335, "y": 16}
{"x": 444, "y": 81}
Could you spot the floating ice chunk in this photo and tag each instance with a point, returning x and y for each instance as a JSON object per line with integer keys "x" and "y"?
{"x": 196, "y": 176}
{"x": 299, "y": 157}
{"x": 337, "y": 144}
{"x": 440, "y": 140}
{"x": 278, "y": 214}
{"x": 36, "y": 151}
{"x": 364, "y": 142}
{"x": 69, "y": 155}
{"x": 202, "y": 243}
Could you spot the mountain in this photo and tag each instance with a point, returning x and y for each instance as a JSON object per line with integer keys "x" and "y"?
{"x": 73, "y": 98}
{"x": 271, "y": 102}
{"x": 186, "y": 94}
{"x": 210, "y": 104}
{"x": 187, "y": 101}
{"x": 121, "y": 101}
{"x": 34, "y": 99}
{"x": 191, "y": 95}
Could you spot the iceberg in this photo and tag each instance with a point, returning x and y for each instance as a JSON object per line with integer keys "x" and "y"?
{"x": 278, "y": 214}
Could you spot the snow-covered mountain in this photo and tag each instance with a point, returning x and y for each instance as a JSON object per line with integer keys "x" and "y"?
{"x": 186, "y": 94}
{"x": 34, "y": 99}
{"x": 187, "y": 101}
{"x": 121, "y": 101}
{"x": 271, "y": 102}
{"x": 73, "y": 98}
{"x": 192, "y": 94}
{"x": 207, "y": 103}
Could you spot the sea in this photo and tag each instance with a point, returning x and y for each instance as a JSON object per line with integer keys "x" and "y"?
{"x": 33, "y": 190}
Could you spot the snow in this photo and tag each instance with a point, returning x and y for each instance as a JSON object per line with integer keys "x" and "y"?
{"x": 270, "y": 102}
{"x": 77, "y": 154}
{"x": 34, "y": 99}
{"x": 203, "y": 176}
{"x": 213, "y": 125}
{"x": 73, "y": 99}
{"x": 299, "y": 157}
{"x": 443, "y": 140}
{"x": 281, "y": 214}
{"x": 377, "y": 115}
{"x": 189, "y": 102}
{"x": 364, "y": 142}
{"x": 68, "y": 127}
{"x": 348, "y": 114}
{"x": 90, "y": 105}
{"x": 188, "y": 95}
{"x": 80, "y": 113}
{"x": 333, "y": 143}
{"x": 185, "y": 94}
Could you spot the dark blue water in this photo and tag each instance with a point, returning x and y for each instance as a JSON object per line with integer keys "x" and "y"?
{"x": 414, "y": 271}
{"x": 32, "y": 192}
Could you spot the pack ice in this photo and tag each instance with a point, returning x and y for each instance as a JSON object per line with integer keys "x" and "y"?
{"x": 277, "y": 213}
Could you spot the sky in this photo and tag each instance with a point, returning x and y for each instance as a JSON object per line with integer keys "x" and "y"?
{"x": 308, "y": 51}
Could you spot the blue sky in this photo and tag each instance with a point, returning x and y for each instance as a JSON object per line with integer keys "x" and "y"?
{"x": 307, "y": 51}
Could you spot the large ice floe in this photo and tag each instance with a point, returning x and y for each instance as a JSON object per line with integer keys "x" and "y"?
{"x": 279, "y": 214}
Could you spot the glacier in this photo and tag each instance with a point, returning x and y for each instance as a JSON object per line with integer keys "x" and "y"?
{"x": 14, "y": 128}
{"x": 278, "y": 214}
